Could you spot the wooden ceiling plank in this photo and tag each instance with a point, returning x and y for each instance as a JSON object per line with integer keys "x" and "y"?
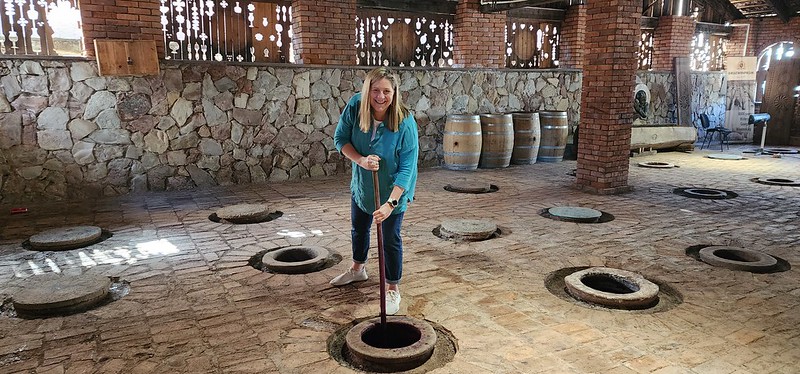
{"x": 419, "y": 6}
{"x": 502, "y": 7}
{"x": 755, "y": 6}
{"x": 537, "y": 13}
{"x": 781, "y": 9}
{"x": 731, "y": 11}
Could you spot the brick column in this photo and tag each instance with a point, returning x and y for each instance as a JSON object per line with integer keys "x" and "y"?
{"x": 119, "y": 19}
{"x": 478, "y": 37}
{"x": 573, "y": 34}
{"x": 672, "y": 38}
{"x": 612, "y": 35}
{"x": 324, "y": 31}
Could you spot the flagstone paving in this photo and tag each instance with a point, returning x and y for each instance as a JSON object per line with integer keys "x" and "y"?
{"x": 196, "y": 305}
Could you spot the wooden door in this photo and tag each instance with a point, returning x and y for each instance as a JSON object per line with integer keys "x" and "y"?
{"x": 782, "y": 77}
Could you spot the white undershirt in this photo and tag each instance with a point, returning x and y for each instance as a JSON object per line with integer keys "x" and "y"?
{"x": 375, "y": 124}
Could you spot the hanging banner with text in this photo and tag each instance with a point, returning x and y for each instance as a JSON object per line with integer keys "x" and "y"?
{"x": 741, "y": 68}
{"x": 740, "y": 102}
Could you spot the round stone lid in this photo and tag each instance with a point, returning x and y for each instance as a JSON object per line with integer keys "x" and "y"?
{"x": 469, "y": 187}
{"x": 723, "y": 156}
{"x": 54, "y": 291}
{"x": 470, "y": 229}
{"x": 575, "y": 213}
{"x": 66, "y": 238}
{"x": 468, "y": 226}
{"x": 244, "y": 213}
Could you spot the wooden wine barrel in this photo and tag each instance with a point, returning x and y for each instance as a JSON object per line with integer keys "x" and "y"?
{"x": 527, "y": 137}
{"x": 462, "y": 142}
{"x": 497, "y": 139}
{"x": 554, "y": 136}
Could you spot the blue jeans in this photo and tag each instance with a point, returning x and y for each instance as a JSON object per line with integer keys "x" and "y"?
{"x": 392, "y": 243}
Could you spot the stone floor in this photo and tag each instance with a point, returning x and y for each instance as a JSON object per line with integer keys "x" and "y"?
{"x": 196, "y": 306}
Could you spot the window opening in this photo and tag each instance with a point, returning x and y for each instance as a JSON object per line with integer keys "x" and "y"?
{"x": 708, "y": 52}
{"x": 238, "y": 31}
{"x": 774, "y": 52}
{"x": 391, "y": 38}
{"x": 41, "y": 27}
{"x": 532, "y": 44}
{"x": 645, "y": 52}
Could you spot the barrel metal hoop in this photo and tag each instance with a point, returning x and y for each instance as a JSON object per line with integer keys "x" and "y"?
{"x": 462, "y": 133}
{"x": 462, "y": 153}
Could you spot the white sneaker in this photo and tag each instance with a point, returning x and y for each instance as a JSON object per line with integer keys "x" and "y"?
{"x": 392, "y": 302}
{"x": 350, "y": 276}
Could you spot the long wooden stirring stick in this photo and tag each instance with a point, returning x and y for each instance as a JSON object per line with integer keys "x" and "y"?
{"x": 382, "y": 271}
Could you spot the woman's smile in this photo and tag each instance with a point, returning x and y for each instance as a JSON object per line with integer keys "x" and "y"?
{"x": 381, "y": 94}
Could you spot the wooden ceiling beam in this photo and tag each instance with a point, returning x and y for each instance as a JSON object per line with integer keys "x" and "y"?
{"x": 544, "y": 14}
{"x": 502, "y": 6}
{"x": 755, "y": 6}
{"x": 417, "y": 6}
{"x": 781, "y": 9}
{"x": 730, "y": 9}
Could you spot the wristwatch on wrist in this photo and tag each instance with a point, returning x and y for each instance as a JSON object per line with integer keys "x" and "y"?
{"x": 392, "y": 203}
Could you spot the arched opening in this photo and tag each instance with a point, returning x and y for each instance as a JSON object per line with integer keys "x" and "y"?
{"x": 774, "y": 52}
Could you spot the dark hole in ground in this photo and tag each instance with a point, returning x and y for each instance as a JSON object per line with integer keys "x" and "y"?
{"x": 668, "y": 297}
{"x": 777, "y": 182}
{"x": 492, "y": 188}
{"x": 701, "y": 191}
{"x": 443, "y": 352}
{"x": 296, "y": 255}
{"x": 783, "y": 265}
{"x": 256, "y": 261}
{"x": 272, "y": 216}
{"x": 394, "y": 335}
{"x": 705, "y": 193}
{"x": 780, "y": 151}
{"x": 608, "y": 283}
{"x": 735, "y": 255}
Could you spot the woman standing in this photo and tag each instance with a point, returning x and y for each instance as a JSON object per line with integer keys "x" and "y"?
{"x": 378, "y": 133}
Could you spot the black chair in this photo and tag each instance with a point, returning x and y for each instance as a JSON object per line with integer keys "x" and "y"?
{"x": 710, "y": 131}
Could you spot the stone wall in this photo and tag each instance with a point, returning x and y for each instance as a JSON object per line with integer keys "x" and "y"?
{"x": 709, "y": 90}
{"x": 662, "y": 97}
{"x": 65, "y": 132}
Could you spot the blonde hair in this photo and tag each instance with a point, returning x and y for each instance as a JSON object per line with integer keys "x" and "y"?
{"x": 396, "y": 111}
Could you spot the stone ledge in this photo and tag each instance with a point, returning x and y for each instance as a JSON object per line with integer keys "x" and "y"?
{"x": 660, "y": 137}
